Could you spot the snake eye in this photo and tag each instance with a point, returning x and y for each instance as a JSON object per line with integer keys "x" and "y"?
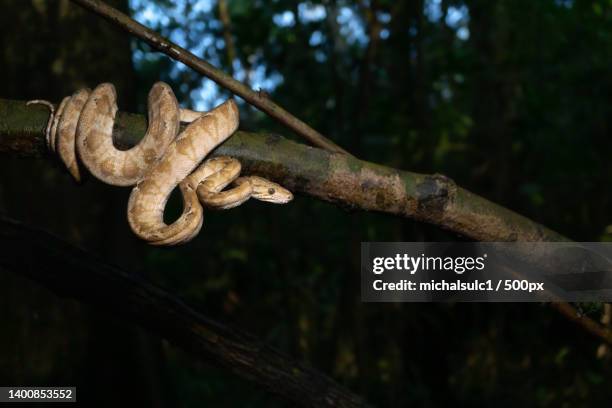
{"x": 271, "y": 191}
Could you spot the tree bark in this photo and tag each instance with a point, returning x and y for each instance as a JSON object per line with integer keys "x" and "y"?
{"x": 72, "y": 272}
{"x": 346, "y": 181}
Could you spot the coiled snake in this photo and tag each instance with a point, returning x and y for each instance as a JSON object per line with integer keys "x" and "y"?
{"x": 164, "y": 159}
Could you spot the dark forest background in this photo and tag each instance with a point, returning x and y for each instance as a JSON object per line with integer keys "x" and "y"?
{"x": 511, "y": 99}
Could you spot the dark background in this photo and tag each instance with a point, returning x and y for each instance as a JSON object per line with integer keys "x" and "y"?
{"x": 512, "y": 99}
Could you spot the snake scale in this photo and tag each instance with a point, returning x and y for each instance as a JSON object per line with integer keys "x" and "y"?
{"x": 81, "y": 130}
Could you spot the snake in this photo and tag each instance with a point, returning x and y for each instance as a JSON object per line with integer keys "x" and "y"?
{"x": 80, "y": 131}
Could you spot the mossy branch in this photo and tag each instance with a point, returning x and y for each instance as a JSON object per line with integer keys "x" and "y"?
{"x": 337, "y": 178}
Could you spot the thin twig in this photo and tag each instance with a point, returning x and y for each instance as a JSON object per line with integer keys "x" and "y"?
{"x": 257, "y": 99}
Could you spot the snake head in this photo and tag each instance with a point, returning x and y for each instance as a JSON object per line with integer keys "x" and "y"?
{"x": 268, "y": 191}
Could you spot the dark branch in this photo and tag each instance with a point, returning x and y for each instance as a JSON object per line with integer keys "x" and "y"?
{"x": 71, "y": 272}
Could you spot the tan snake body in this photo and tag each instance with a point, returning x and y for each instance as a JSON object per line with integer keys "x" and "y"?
{"x": 164, "y": 159}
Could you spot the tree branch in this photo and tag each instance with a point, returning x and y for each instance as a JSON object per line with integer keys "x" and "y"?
{"x": 337, "y": 178}
{"x": 257, "y": 99}
{"x": 598, "y": 330}
{"x": 72, "y": 272}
